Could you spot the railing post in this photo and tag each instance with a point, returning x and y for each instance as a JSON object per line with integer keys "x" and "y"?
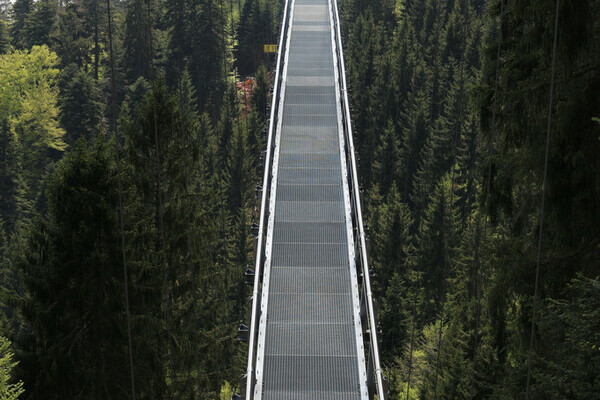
{"x": 370, "y": 372}
{"x": 368, "y": 308}
{"x": 254, "y": 309}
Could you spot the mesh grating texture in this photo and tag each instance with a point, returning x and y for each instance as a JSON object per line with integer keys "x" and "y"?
{"x": 310, "y": 255}
{"x": 310, "y": 343}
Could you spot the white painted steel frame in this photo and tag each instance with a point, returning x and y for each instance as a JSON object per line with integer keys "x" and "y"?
{"x": 379, "y": 377}
{"x": 360, "y": 347}
{"x": 340, "y": 75}
{"x": 250, "y": 372}
{"x": 262, "y": 329}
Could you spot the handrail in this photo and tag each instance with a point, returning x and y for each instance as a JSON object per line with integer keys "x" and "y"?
{"x": 357, "y": 210}
{"x": 379, "y": 377}
{"x": 264, "y": 212}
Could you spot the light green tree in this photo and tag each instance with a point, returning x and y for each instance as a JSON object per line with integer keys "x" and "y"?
{"x": 29, "y": 112}
{"x": 8, "y": 391}
{"x": 226, "y": 391}
{"x": 28, "y": 86}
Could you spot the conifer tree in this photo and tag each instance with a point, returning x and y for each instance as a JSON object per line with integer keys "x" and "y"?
{"x": 8, "y": 390}
{"x": 72, "y": 41}
{"x": 71, "y": 268}
{"x": 260, "y": 93}
{"x": 437, "y": 245}
{"x": 81, "y": 105}
{"x": 206, "y": 59}
{"x": 136, "y": 43}
{"x": 4, "y": 36}
{"x": 413, "y": 139}
{"x": 20, "y": 10}
{"x": 9, "y": 170}
{"x": 93, "y": 22}
{"x": 40, "y": 23}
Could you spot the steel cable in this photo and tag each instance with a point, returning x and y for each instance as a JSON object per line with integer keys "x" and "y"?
{"x": 120, "y": 190}
{"x": 542, "y": 208}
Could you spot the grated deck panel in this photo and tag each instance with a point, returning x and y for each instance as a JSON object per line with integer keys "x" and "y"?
{"x": 311, "y": 349}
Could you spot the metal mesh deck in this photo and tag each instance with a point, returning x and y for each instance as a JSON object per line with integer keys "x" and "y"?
{"x": 311, "y": 349}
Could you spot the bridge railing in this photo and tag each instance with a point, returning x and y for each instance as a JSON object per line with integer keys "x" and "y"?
{"x": 264, "y": 208}
{"x": 375, "y": 372}
{"x": 376, "y": 380}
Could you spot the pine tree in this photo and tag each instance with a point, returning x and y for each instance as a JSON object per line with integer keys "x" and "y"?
{"x": 8, "y": 390}
{"x": 20, "y": 11}
{"x": 40, "y": 23}
{"x": 71, "y": 268}
{"x": 177, "y": 17}
{"x": 572, "y": 326}
{"x": 260, "y": 93}
{"x": 230, "y": 112}
{"x": 413, "y": 139}
{"x": 249, "y": 45}
{"x": 81, "y": 105}
{"x": 206, "y": 60}
{"x": 72, "y": 41}
{"x": 136, "y": 43}
{"x": 437, "y": 246}
{"x": 93, "y": 21}
{"x": 239, "y": 170}
{"x": 9, "y": 170}
{"x": 254, "y": 29}
{"x": 4, "y": 37}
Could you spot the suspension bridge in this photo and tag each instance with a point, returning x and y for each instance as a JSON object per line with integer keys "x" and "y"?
{"x": 313, "y": 330}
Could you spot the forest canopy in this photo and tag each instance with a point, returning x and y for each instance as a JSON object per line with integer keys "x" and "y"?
{"x": 128, "y": 161}
{"x": 450, "y": 103}
{"x": 131, "y": 142}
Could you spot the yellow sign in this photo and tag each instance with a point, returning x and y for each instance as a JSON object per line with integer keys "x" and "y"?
{"x": 270, "y": 48}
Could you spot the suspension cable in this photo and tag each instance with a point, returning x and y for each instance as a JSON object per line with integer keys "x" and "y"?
{"x": 544, "y": 188}
{"x": 481, "y": 248}
{"x": 120, "y": 189}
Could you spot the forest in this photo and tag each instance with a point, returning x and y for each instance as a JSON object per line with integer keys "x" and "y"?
{"x": 127, "y": 152}
{"x": 450, "y": 107}
{"x": 132, "y": 144}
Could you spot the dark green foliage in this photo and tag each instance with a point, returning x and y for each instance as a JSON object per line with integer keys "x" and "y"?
{"x": 572, "y": 324}
{"x": 9, "y": 173}
{"x": 72, "y": 270}
{"x": 570, "y": 228}
{"x": 71, "y": 37}
{"x": 184, "y": 215}
{"x": 255, "y": 29}
{"x": 81, "y": 105}
{"x": 198, "y": 43}
{"x": 207, "y": 56}
{"x": 19, "y": 11}
{"x": 422, "y": 81}
{"x": 422, "y": 76}
{"x": 4, "y": 36}
{"x": 94, "y": 20}
{"x": 189, "y": 163}
{"x": 260, "y": 94}
{"x": 177, "y": 18}
{"x": 40, "y": 23}
{"x": 137, "y": 44}
{"x": 436, "y": 245}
